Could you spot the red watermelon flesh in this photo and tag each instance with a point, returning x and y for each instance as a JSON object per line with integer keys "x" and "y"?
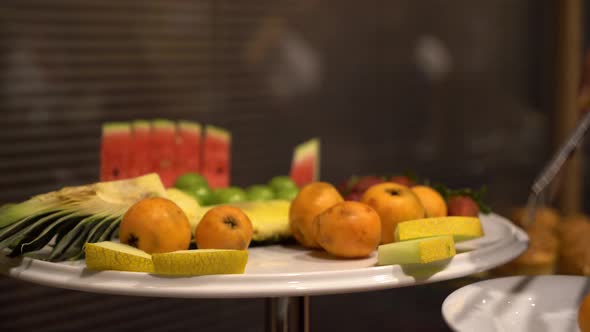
{"x": 305, "y": 166}
{"x": 163, "y": 150}
{"x": 114, "y": 151}
{"x": 188, "y": 147}
{"x": 216, "y": 156}
{"x": 139, "y": 157}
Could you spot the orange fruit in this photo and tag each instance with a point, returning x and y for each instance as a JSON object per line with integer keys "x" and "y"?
{"x": 394, "y": 203}
{"x": 545, "y": 217}
{"x": 155, "y": 225}
{"x": 348, "y": 229}
{"x": 584, "y": 314}
{"x": 432, "y": 200}
{"x": 310, "y": 201}
{"x": 224, "y": 227}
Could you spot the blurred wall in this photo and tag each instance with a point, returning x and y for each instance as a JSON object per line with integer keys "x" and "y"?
{"x": 455, "y": 91}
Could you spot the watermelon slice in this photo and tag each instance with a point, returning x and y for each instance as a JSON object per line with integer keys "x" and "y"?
{"x": 166, "y": 147}
{"x": 305, "y": 166}
{"x": 139, "y": 156}
{"x": 163, "y": 150}
{"x": 188, "y": 147}
{"x": 114, "y": 151}
{"x": 216, "y": 156}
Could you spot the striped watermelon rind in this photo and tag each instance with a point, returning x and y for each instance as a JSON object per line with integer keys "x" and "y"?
{"x": 191, "y": 126}
{"x": 218, "y": 133}
{"x": 140, "y": 124}
{"x": 163, "y": 124}
{"x": 116, "y": 128}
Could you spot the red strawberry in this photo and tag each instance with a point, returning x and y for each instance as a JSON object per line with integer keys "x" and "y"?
{"x": 462, "y": 206}
{"x": 353, "y": 196}
{"x": 403, "y": 180}
{"x": 366, "y": 182}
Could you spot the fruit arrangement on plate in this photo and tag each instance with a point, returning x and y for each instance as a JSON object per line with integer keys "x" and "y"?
{"x": 406, "y": 225}
{"x": 183, "y": 217}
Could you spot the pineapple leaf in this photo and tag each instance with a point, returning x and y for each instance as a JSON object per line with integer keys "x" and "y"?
{"x": 59, "y": 252}
{"x": 94, "y": 234}
{"x": 19, "y": 225}
{"x": 110, "y": 231}
{"x": 43, "y": 238}
{"x": 30, "y": 229}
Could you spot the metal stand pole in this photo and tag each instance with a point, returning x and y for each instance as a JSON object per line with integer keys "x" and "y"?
{"x": 569, "y": 47}
{"x": 287, "y": 314}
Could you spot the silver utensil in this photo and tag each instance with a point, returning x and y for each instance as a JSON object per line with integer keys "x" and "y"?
{"x": 549, "y": 173}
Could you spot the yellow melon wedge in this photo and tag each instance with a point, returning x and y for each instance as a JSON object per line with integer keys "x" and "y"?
{"x": 109, "y": 255}
{"x": 200, "y": 262}
{"x": 461, "y": 228}
{"x": 418, "y": 251}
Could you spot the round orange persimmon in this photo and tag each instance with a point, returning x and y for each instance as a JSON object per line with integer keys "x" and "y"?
{"x": 311, "y": 200}
{"x": 394, "y": 203}
{"x": 349, "y": 229}
{"x": 155, "y": 225}
{"x": 224, "y": 227}
{"x": 432, "y": 200}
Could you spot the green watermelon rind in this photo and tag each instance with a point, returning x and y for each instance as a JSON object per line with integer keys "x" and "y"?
{"x": 309, "y": 148}
{"x": 110, "y": 128}
{"x": 189, "y": 126}
{"x": 217, "y": 133}
{"x": 140, "y": 125}
{"x": 163, "y": 124}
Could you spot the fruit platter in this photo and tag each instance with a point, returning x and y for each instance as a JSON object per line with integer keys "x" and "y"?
{"x": 167, "y": 226}
{"x": 277, "y": 271}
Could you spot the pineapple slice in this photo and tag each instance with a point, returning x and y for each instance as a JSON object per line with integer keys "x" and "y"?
{"x": 73, "y": 216}
{"x": 188, "y": 204}
{"x": 270, "y": 219}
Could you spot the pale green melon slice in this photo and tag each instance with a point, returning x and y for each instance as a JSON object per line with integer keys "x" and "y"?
{"x": 416, "y": 251}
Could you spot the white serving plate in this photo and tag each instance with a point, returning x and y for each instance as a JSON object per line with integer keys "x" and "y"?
{"x": 277, "y": 271}
{"x": 523, "y": 304}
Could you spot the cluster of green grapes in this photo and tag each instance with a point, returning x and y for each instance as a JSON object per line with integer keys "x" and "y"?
{"x": 195, "y": 184}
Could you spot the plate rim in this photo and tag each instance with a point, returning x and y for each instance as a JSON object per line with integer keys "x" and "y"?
{"x": 258, "y": 285}
{"x": 453, "y": 296}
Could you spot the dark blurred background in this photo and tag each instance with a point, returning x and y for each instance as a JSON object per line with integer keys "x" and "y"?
{"x": 460, "y": 92}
